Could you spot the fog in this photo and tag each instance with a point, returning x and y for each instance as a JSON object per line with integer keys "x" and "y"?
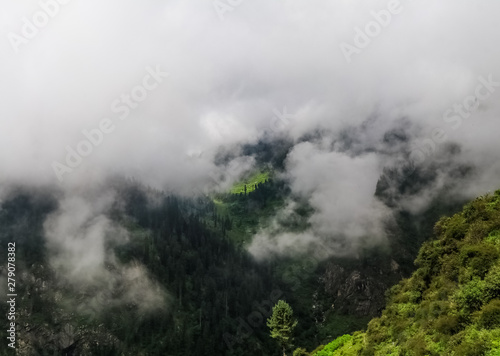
{"x": 170, "y": 84}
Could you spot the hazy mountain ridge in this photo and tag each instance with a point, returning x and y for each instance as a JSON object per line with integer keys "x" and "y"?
{"x": 191, "y": 252}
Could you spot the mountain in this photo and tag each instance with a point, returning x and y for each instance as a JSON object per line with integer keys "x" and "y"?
{"x": 175, "y": 285}
{"x": 140, "y": 271}
{"x": 451, "y": 304}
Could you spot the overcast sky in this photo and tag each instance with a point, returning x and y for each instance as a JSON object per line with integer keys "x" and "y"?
{"x": 230, "y": 69}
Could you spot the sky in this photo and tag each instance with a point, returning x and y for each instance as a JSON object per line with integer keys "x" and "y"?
{"x": 153, "y": 90}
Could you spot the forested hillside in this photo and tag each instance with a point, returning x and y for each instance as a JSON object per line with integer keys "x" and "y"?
{"x": 451, "y": 303}
{"x": 210, "y": 296}
{"x": 210, "y": 284}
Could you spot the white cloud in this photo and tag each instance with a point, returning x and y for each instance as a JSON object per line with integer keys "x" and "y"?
{"x": 226, "y": 79}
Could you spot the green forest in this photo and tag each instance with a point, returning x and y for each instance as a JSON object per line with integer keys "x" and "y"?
{"x": 220, "y": 300}
{"x": 250, "y": 178}
{"x": 451, "y": 304}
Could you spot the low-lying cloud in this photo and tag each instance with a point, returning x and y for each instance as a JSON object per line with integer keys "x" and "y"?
{"x": 226, "y": 79}
{"x": 79, "y": 241}
{"x": 341, "y": 190}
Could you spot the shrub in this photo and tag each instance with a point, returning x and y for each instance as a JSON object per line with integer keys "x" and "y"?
{"x": 479, "y": 258}
{"x": 416, "y": 346}
{"x": 406, "y": 310}
{"x": 472, "y": 343}
{"x": 470, "y": 349}
{"x": 478, "y": 230}
{"x": 489, "y": 316}
{"x": 492, "y": 283}
{"x": 438, "y": 308}
{"x": 317, "y": 349}
{"x": 376, "y": 333}
{"x": 494, "y": 237}
{"x": 334, "y": 345}
{"x": 471, "y": 296}
{"x": 415, "y": 284}
{"x": 476, "y": 210}
{"x": 447, "y": 324}
{"x": 450, "y": 268}
{"x": 300, "y": 352}
{"x": 493, "y": 205}
{"x": 428, "y": 260}
{"x": 456, "y": 228}
{"x": 440, "y": 226}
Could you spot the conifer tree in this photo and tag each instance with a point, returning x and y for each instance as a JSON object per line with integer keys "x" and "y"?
{"x": 281, "y": 323}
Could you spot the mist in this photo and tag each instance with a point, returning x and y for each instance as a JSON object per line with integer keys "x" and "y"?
{"x": 79, "y": 239}
{"x": 154, "y": 91}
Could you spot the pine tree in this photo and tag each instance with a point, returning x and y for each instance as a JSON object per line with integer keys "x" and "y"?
{"x": 281, "y": 323}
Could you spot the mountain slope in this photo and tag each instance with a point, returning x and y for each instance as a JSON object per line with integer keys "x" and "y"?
{"x": 201, "y": 286}
{"x": 451, "y": 303}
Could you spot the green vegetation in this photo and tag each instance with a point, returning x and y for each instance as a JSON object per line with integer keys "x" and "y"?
{"x": 210, "y": 284}
{"x": 282, "y": 324}
{"x": 250, "y": 183}
{"x": 334, "y": 345}
{"x": 337, "y": 324}
{"x": 218, "y": 297}
{"x": 451, "y": 303}
{"x": 251, "y": 211}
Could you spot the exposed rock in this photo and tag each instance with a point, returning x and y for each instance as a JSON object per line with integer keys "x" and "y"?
{"x": 359, "y": 291}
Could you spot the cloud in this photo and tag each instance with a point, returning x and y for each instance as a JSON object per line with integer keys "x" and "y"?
{"x": 341, "y": 189}
{"x": 79, "y": 240}
{"x": 225, "y": 80}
